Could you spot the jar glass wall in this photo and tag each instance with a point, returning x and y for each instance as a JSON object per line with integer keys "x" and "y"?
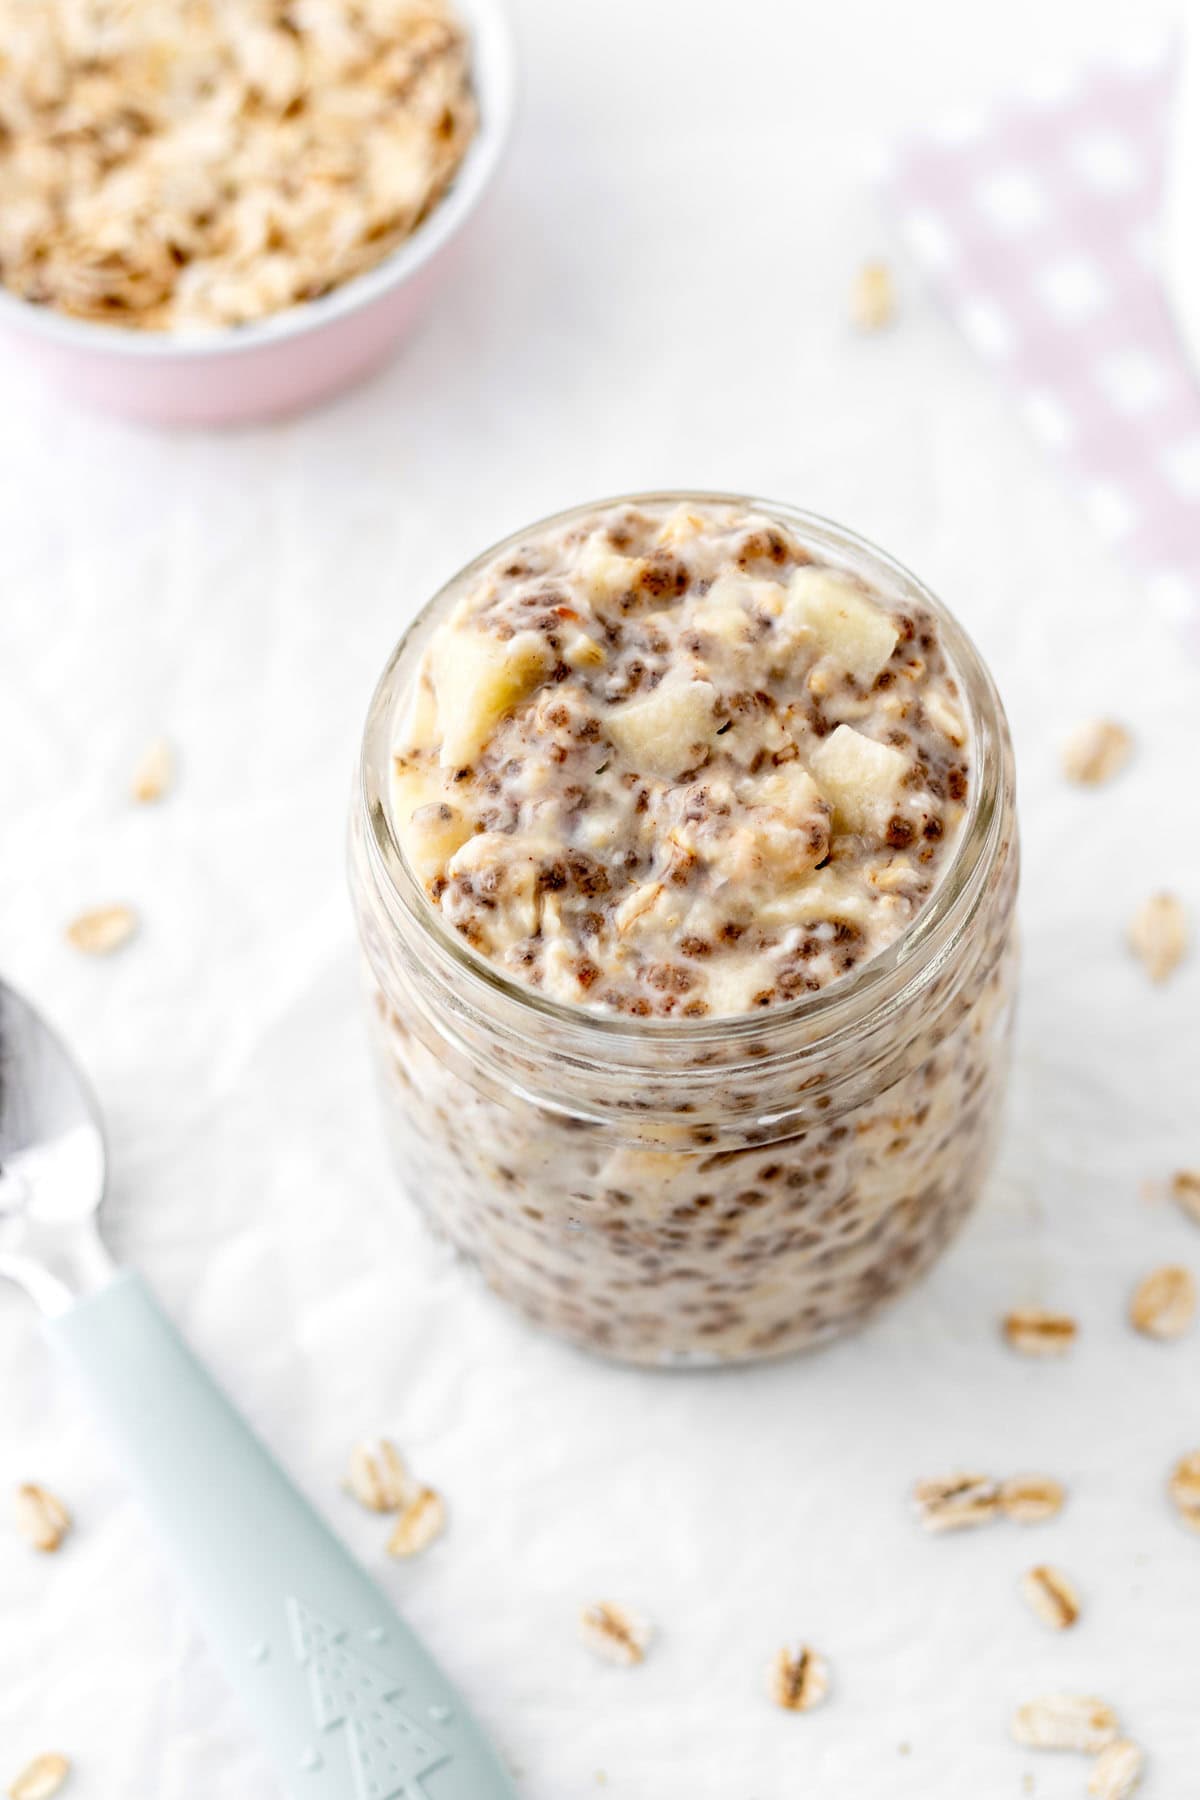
{"x": 712, "y": 1189}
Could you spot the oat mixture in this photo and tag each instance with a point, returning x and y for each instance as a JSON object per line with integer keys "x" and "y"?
{"x": 179, "y": 164}
{"x": 662, "y": 762}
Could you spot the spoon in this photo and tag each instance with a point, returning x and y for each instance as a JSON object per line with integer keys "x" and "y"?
{"x": 346, "y": 1700}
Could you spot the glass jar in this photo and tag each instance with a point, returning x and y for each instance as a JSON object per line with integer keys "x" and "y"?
{"x": 700, "y": 1190}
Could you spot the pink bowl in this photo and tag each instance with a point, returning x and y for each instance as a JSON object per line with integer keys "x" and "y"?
{"x": 291, "y": 359}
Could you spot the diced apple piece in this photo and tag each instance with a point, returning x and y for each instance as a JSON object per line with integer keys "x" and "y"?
{"x": 857, "y": 634}
{"x": 431, "y": 836}
{"x": 669, "y": 730}
{"x": 478, "y": 678}
{"x": 859, "y": 776}
{"x": 413, "y": 784}
{"x": 417, "y": 729}
{"x": 732, "y": 985}
{"x": 605, "y": 572}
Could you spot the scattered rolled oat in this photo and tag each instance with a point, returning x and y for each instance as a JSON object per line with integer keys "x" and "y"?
{"x": 798, "y": 1679}
{"x": 1028, "y": 1499}
{"x": 615, "y": 1633}
{"x": 422, "y": 1520}
{"x": 1184, "y": 1488}
{"x": 1037, "y": 1333}
{"x": 1051, "y": 1595}
{"x": 42, "y": 1519}
{"x": 154, "y": 773}
{"x": 1158, "y": 935}
{"x": 873, "y": 297}
{"x": 191, "y": 164}
{"x": 1066, "y": 1722}
{"x": 1116, "y": 1772}
{"x": 41, "y": 1778}
{"x": 1185, "y": 1191}
{"x": 103, "y": 930}
{"x": 952, "y": 1502}
{"x": 1096, "y": 751}
{"x": 1164, "y": 1303}
{"x": 378, "y": 1476}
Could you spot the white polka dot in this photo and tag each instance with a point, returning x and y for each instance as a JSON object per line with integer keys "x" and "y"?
{"x": 929, "y": 239}
{"x": 1011, "y": 200}
{"x": 1107, "y": 161}
{"x": 1049, "y": 419}
{"x": 987, "y": 327}
{"x": 1111, "y": 509}
{"x": 1050, "y": 86}
{"x": 1134, "y": 380}
{"x": 966, "y": 125}
{"x": 1147, "y": 51}
{"x": 1174, "y": 595}
{"x": 1181, "y": 465}
{"x": 1074, "y": 289}
{"x": 1145, "y": 245}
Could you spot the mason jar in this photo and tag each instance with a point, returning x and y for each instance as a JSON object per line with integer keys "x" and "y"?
{"x": 683, "y": 1190}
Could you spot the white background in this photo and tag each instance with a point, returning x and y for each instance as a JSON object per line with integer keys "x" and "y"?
{"x": 658, "y": 297}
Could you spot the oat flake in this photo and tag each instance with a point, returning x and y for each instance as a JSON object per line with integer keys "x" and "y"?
{"x": 798, "y": 1679}
{"x": 615, "y": 1633}
{"x": 154, "y": 773}
{"x": 1037, "y": 1333}
{"x": 1051, "y": 1595}
{"x": 1164, "y": 1303}
{"x": 1185, "y": 1191}
{"x": 1096, "y": 751}
{"x": 1028, "y": 1499}
{"x": 103, "y": 930}
{"x": 378, "y": 1476}
{"x": 1184, "y": 1488}
{"x": 1158, "y": 935}
{"x": 422, "y": 1520}
{"x": 1116, "y": 1772}
{"x": 1066, "y": 1722}
{"x": 41, "y": 1778}
{"x": 42, "y": 1519}
{"x": 873, "y": 297}
{"x": 954, "y": 1502}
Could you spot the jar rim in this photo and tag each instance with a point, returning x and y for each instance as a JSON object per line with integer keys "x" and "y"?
{"x": 884, "y": 980}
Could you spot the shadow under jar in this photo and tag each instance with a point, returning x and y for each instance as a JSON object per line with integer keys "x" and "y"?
{"x": 680, "y": 1190}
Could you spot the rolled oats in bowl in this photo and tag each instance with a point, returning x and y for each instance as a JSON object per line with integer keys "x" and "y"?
{"x": 187, "y": 164}
{"x": 684, "y": 861}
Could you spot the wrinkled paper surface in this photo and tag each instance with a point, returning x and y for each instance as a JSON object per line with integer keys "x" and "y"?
{"x": 240, "y": 593}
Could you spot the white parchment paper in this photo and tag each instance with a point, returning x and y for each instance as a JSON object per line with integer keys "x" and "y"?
{"x": 659, "y": 297}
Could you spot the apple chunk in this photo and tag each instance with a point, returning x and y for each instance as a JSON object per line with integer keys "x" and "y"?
{"x": 669, "y": 730}
{"x": 478, "y": 678}
{"x": 847, "y": 626}
{"x": 860, "y": 777}
{"x": 432, "y": 835}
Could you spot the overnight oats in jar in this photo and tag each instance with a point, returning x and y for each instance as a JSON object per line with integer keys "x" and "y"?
{"x": 684, "y": 857}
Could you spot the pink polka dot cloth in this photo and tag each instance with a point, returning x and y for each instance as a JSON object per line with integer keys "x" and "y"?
{"x": 1036, "y": 222}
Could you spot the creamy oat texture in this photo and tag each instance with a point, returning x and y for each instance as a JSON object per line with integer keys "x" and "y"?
{"x": 665, "y": 765}
{"x": 661, "y": 761}
{"x": 179, "y": 164}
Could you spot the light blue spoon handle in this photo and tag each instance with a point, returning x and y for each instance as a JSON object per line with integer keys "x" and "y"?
{"x": 345, "y": 1699}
